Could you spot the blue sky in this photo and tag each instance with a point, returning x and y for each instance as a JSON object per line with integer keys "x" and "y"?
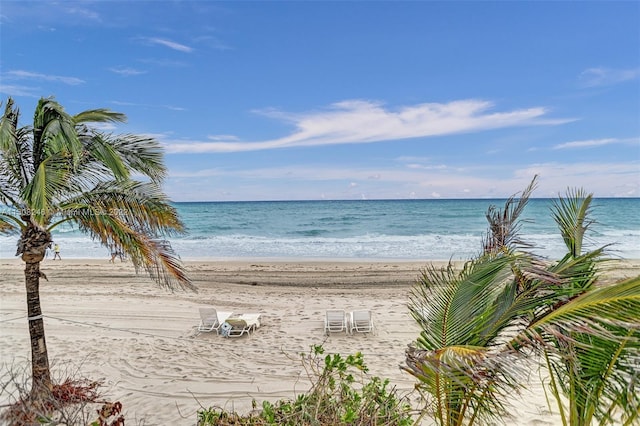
{"x": 348, "y": 100}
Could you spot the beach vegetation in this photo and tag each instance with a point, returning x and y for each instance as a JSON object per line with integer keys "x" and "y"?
{"x": 73, "y": 400}
{"x": 341, "y": 393}
{"x": 486, "y": 325}
{"x": 62, "y": 169}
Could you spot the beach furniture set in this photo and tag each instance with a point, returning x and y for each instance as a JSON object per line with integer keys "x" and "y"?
{"x": 228, "y": 324}
{"x": 338, "y": 320}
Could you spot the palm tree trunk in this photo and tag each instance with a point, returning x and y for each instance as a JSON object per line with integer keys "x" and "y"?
{"x": 41, "y": 375}
{"x": 32, "y": 246}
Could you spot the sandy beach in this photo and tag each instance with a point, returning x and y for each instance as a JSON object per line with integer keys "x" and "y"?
{"x": 112, "y": 324}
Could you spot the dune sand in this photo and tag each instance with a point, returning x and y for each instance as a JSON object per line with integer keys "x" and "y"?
{"x": 113, "y": 324}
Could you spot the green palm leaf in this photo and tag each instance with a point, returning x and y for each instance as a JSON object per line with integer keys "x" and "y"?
{"x": 617, "y": 304}
{"x": 504, "y": 224}
{"x": 132, "y": 216}
{"x": 571, "y": 215}
{"x": 475, "y": 305}
{"x": 593, "y": 346}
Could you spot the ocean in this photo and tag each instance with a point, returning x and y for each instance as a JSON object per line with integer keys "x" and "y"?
{"x": 363, "y": 230}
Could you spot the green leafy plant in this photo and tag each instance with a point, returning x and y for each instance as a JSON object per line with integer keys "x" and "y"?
{"x": 341, "y": 394}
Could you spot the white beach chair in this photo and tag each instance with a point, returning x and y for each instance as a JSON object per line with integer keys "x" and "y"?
{"x": 360, "y": 321}
{"x": 211, "y": 320}
{"x": 335, "y": 321}
{"x": 241, "y": 324}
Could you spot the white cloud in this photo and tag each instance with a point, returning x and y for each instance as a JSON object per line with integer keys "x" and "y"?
{"x": 133, "y": 104}
{"x": 164, "y": 62}
{"x": 358, "y": 121}
{"x": 457, "y": 181}
{"x": 580, "y": 170}
{"x": 222, "y": 138}
{"x": 594, "y": 142}
{"x": 426, "y": 166}
{"x": 13, "y": 90}
{"x": 602, "y": 179}
{"x": 212, "y": 42}
{"x": 84, "y": 13}
{"x": 105, "y": 127}
{"x": 594, "y": 77}
{"x": 412, "y": 159}
{"x": 126, "y": 71}
{"x": 28, "y": 75}
{"x": 170, "y": 44}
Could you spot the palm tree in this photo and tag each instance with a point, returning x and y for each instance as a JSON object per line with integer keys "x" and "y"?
{"x": 459, "y": 356}
{"x": 62, "y": 170}
{"x": 480, "y": 322}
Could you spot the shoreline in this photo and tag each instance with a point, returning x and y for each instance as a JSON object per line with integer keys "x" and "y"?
{"x": 106, "y": 321}
{"x": 188, "y": 260}
{"x": 299, "y": 271}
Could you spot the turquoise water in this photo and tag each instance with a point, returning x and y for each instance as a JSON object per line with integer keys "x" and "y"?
{"x": 364, "y": 229}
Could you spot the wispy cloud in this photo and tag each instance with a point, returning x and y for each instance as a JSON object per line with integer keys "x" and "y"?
{"x": 105, "y": 127}
{"x": 595, "y": 142}
{"x": 134, "y": 104}
{"x": 212, "y": 42}
{"x": 450, "y": 181}
{"x": 28, "y": 75}
{"x": 84, "y": 13}
{"x": 222, "y": 138}
{"x": 359, "y": 121}
{"x": 126, "y": 71}
{"x": 164, "y": 62}
{"x": 14, "y": 90}
{"x": 603, "y": 179}
{"x": 595, "y": 77}
{"x": 418, "y": 166}
{"x": 170, "y": 44}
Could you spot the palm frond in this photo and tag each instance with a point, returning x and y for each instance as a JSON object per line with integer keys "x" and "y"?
{"x": 504, "y": 225}
{"x": 615, "y": 305}
{"x": 101, "y": 153}
{"x": 6, "y": 224}
{"x": 141, "y": 204}
{"x": 141, "y": 154}
{"x": 118, "y": 157}
{"x": 466, "y": 382}
{"x": 576, "y": 273}
{"x": 456, "y": 307}
{"x": 8, "y": 126}
{"x": 49, "y": 181}
{"x": 99, "y": 115}
{"x": 571, "y": 214}
{"x": 15, "y": 155}
{"x": 593, "y": 347}
{"x": 54, "y": 133}
{"x": 133, "y": 216}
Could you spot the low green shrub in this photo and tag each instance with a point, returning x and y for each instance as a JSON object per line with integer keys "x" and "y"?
{"x": 341, "y": 394}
